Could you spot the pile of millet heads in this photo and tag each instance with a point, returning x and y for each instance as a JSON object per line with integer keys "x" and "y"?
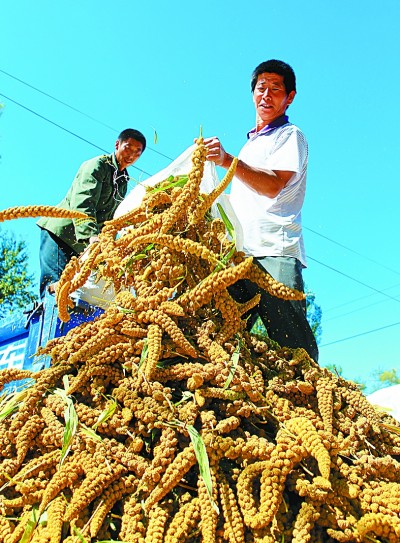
{"x": 164, "y": 420}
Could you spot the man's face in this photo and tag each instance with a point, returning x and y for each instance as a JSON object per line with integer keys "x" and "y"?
{"x": 127, "y": 152}
{"x": 270, "y": 98}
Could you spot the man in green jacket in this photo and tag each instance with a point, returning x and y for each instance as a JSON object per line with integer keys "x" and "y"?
{"x": 98, "y": 188}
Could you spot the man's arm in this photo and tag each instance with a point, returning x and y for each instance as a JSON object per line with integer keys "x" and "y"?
{"x": 265, "y": 182}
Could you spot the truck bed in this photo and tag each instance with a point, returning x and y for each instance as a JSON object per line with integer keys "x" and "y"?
{"x": 21, "y": 336}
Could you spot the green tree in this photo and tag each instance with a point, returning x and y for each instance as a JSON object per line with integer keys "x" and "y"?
{"x": 385, "y": 378}
{"x": 389, "y": 377}
{"x": 15, "y": 282}
{"x": 314, "y": 315}
{"x": 338, "y": 370}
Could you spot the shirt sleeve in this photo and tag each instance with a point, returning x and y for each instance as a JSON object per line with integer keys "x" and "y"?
{"x": 85, "y": 195}
{"x": 290, "y": 152}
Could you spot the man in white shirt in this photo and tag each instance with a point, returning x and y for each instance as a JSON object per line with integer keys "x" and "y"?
{"x": 267, "y": 195}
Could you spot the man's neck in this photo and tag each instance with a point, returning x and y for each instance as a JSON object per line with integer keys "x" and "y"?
{"x": 278, "y": 121}
{"x": 119, "y": 166}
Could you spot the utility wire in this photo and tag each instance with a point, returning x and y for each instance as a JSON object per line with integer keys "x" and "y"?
{"x": 169, "y": 158}
{"x": 359, "y": 299}
{"x": 341, "y": 316}
{"x": 65, "y": 129}
{"x": 361, "y": 334}
{"x": 139, "y": 169}
{"x": 356, "y": 280}
{"x": 397, "y": 272}
{"x": 353, "y": 311}
{"x": 56, "y": 99}
{"x": 73, "y": 108}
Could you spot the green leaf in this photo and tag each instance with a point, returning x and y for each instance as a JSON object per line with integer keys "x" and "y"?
{"x": 228, "y": 256}
{"x": 202, "y": 459}
{"x": 106, "y": 413}
{"x": 369, "y": 538}
{"x": 186, "y": 395}
{"x": 391, "y": 428}
{"x": 227, "y": 222}
{"x": 79, "y": 535}
{"x": 30, "y": 526}
{"x": 234, "y": 363}
{"x": 224, "y": 261}
{"x": 71, "y": 423}
{"x": 13, "y": 403}
{"x": 43, "y": 519}
{"x": 139, "y": 256}
{"x": 177, "y": 181}
{"x": 65, "y": 381}
{"x": 143, "y": 356}
{"x": 89, "y": 432}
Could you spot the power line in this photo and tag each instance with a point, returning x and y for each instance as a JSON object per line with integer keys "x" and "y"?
{"x": 56, "y": 99}
{"x": 169, "y": 158}
{"x": 356, "y": 280}
{"x": 139, "y": 169}
{"x": 358, "y": 299}
{"x": 361, "y": 334}
{"x": 397, "y": 272}
{"x": 369, "y": 306}
{"x": 65, "y": 129}
{"x": 356, "y": 253}
{"x": 353, "y": 311}
{"x": 74, "y": 109}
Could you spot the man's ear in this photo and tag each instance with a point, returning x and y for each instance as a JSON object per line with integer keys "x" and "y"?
{"x": 290, "y": 97}
{"x": 117, "y": 145}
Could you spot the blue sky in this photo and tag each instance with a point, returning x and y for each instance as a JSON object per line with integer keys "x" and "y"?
{"x": 178, "y": 66}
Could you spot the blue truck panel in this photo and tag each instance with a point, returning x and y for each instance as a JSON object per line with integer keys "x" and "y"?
{"x": 13, "y": 343}
{"x": 21, "y": 337}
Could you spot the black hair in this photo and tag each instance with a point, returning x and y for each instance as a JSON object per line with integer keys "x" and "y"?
{"x": 276, "y": 67}
{"x": 134, "y": 134}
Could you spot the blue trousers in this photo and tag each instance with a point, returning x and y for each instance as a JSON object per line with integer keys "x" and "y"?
{"x": 54, "y": 256}
{"x": 285, "y": 320}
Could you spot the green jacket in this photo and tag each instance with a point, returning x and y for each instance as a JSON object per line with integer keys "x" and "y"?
{"x": 97, "y": 190}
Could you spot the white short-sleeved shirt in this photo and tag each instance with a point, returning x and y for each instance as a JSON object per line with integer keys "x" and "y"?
{"x": 272, "y": 226}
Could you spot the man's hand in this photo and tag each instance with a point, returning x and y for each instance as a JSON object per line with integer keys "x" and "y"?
{"x": 265, "y": 182}
{"x": 216, "y": 153}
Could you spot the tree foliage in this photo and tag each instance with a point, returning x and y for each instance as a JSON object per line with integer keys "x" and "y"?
{"x": 389, "y": 377}
{"x": 314, "y": 315}
{"x": 374, "y": 381}
{"x": 384, "y": 378}
{"x": 15, "y": 282}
